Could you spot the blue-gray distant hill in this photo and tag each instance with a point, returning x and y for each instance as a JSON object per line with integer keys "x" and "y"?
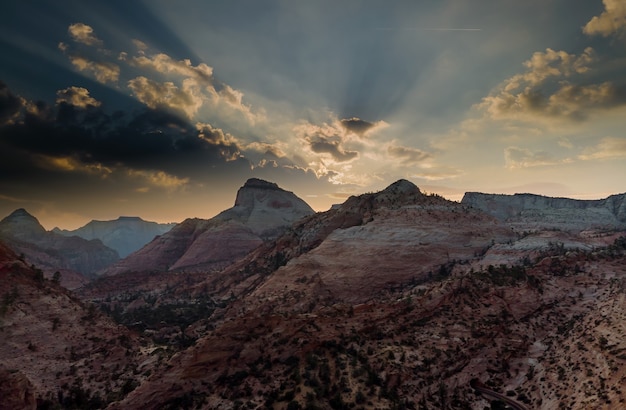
{"x": 125, "y": 234}
{"x": 73, "y": 257}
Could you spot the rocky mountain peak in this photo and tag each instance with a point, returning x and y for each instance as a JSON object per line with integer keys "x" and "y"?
{"x": 255, "y": 188}
{"x": 402, "y": 186}
{"x": 51, "y": 251}
{"x": 260, "y": 183}
{"x": 263, "y": 206}
{"x": 21, "y": 224}
{"x": 262, "y": 211}
{"x": 400, "y": 193}
{"x": 130, "y": 219}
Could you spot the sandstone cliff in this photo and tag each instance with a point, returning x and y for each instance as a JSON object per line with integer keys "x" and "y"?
{"x": 528, "y": 211}
{"x": 362, "y": 248}
{"x": 262, "y": 211}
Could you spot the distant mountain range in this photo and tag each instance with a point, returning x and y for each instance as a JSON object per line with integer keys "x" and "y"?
{"x": 125, "y": 234}
{"x": 72, "y": 256}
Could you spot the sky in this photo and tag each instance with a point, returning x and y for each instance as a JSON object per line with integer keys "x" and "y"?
{"x": 163, "y": 109}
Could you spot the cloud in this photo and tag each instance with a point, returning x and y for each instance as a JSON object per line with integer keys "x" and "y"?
{"x": 551, "y": 63}
{"x": 408, "y": 155}
{"x": 200, "y": 78}
{"x": 158, "y": 179}
{"x": 181, "y": 86}
{"x": 607, "y": 148}
{"x": 565, "y": 143}
{"x": 543, "y": 91}
{"x": 152, "y": 139}
{"x": 70, "y": 164}
{"x": 10, "y": 105}
{"x": 265, "y": 148}
{"x": 234, "y": 99}
{"x": 325, "y": 139}
{"x": 82, "y": 33}
{"x": 78, "y": 97}
{"x": 516, "y": 157}
{"x": 568, "y": 101}
{"x": 164, "y": 64}
{"x": 360, "y": 127}
{"x": 167, "y": 95}
{"x": 323, "y": 145}
{"x": 140, "y": 45}
{"x": 437, "y": 174}
{"x": 611, "y": 21}
{"x": 104, "y": 71}
{"x": 228, "y": 144}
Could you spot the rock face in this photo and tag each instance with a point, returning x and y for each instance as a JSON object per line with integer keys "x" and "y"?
{"x": 262, "y": 211}
{"x": 265, "y": 209}
{"x": 541, "y": 212}
{"x": 125, "y": 235}
{"x": 72, "y": 256}
{"x": 56, "y": 351}
{"x": 368, "y": 245}
{"x": 16, "y": 390}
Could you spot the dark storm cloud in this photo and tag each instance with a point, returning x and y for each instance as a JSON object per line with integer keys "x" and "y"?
{"x": 148, "y": 139}
{"x": 10, "y": 104}
{"x": 357, "y": 126}
{"x": 323, "y": 145}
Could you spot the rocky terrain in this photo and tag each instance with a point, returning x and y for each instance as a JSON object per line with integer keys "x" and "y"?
{"x": 261, "y": 212}
{"x": 323, "y": 318}
{"x": 74, "y": 258}
{"x": 56, "y": 350}
{"x": 391, "y": 300}
{"x": 125, "y": 235}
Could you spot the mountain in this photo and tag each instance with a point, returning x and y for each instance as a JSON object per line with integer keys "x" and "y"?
{"x": 261, "y": 212}
{"x": 125, "y": 234}
{"x": 22, "y": 226}
{"x": 388, "y": 301}
{"x": 56, "y": 351}
{"x": 393, "y": 299}
{"x": 528, "y": 211}
{"x": 72, "y": 256}
{"x": 368, "y": 245}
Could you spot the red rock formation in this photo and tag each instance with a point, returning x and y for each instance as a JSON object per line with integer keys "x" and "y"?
{"x": 262, "y": 211}
{"x": 53, "y": 343}
{"x": 16, "y": 391}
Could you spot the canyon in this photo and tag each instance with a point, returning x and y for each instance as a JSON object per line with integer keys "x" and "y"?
{"x": 393, "y": 299}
